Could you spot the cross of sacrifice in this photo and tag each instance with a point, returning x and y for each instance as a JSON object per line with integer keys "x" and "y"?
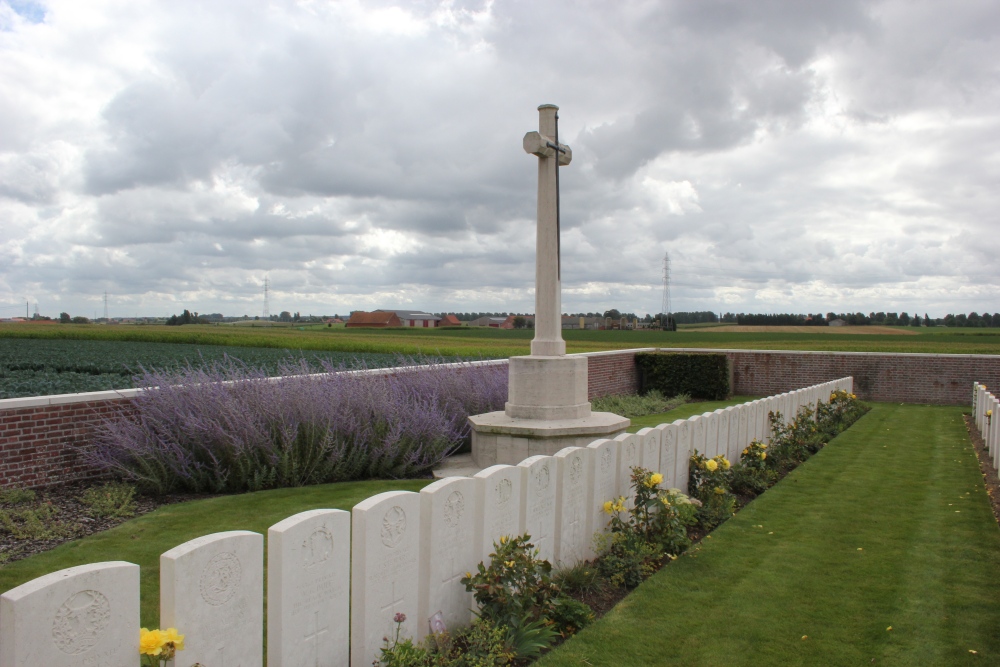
{"x": 548, "y": 264}
{"x": 314, "y": 635}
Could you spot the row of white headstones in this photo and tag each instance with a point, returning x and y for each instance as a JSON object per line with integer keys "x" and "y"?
{"x": 985, "y": 408}
{"x": 337, "y": 579}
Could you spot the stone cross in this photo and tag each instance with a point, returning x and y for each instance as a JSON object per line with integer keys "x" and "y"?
{"x": 551, "y": 154}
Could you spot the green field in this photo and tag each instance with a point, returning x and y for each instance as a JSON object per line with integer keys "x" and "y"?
{"x": 43, "y": 367}
{"x": 47, "y": 359}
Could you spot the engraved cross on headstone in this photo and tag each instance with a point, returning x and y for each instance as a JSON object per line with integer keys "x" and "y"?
{"x": 394, "y": 600}
{"x": 315, "y": 635}
{"x": 548, "y": 270}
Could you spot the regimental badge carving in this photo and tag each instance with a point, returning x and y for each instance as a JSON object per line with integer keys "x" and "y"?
{"x": 575, "y": 469}
{"x": 606, "y": 459}
{"x": 454, "y": 508}
{"x": 220, "y": 579}
{"x": 80, "y": 622}
{"x": 542, "y": 477}
{"x": 504, "y": 490}
{"x": 393, "y": 526}
{"x": 630, "y": 451}
{"x": 317, "y": 548}
{"x": 670, "y": 436}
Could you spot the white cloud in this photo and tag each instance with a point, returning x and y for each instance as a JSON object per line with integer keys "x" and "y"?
{"x": 790, "y": 156}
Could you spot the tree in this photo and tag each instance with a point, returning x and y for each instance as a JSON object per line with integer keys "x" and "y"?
{"x": 64, "y": 318}
{"x": 904, "y": 319}
{"x": 285, "y": 316}
{"x": 614, "y": 314}
{"x": 927, "y": 320}
{"x": 520, "y": 321}
{"x": 79, "y": 319}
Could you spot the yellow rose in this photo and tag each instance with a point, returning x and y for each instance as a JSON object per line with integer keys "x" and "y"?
{"x": 609, "y": 507}
{"x": 711, "y": 465}
{"x": 725, "y": 464}
{"x": 150, "y": 642}
{"x": 509, "y": 563}
{"x": 746, "y": 449}
{"x": 763, "y": 446}
{"x": 763, "y": 455}
{"x": 503, "y": 539}
{"x": 657, "y": 478}
{"x": 719, "y": 490}
{"x": 853, "y": 396}
{"x": 665, "y": 501}
{"x": 170, "y": 635}
{"x": 989, "y": 413}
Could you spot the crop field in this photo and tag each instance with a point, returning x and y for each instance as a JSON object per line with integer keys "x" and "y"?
{"x": 41, "y": 367}
{"x": 38, "y": 360}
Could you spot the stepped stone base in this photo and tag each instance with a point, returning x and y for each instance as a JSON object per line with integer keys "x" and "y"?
{"x": 500, "y": 438}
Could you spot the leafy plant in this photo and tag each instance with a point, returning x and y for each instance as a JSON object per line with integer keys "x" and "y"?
{"x": 16, "y": 496}
{"x": 639, "y": 538}
{"x": 34, "y": 523}
{"x": 752, "y": 475}
{"x": 700, "y": 375}
{"x": 583, "y": 577}
{"x": 113, "y": 500}
{"x": 708, "y": 480}
{"x": 635, "y": 405}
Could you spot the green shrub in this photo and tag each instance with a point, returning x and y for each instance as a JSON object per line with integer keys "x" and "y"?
{"x": 708, "y": 481}
{"x": 16, "y": 496}
{"x": 484, "y": 644}
{"x": 635, "y": 405}
{"x": 111, "y": 500}
{"x": 639, "y": 538}
{"x": 703, "y": 376}
{"x": 583, "y": 577}
{"x": 34, "y": 523}
{"x": 752, "y": 475}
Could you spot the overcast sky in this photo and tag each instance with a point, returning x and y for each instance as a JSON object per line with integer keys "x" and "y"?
{"x": 789, "y": 155}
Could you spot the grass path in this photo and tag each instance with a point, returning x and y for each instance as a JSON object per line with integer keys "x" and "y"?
{"x": 889, "y": 525}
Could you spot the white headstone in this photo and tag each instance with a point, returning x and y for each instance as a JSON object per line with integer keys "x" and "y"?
{"x": 650, "y": 448}
{"x": 743, "y": 429}
{"x": 723, "y": 421}
{"x": 668, "y": 452}
{"x": 385, "y": 566}
{"x": 499, "y": 499}
{"x": 606, "y": 455}
{"x": 83, "y": 616}
{"x": 685, "y": 433}
{"x": 711, "y": 420}
{"x": 628, "y": 458}
{"x": 697, "y": 441}
{"x": 734, "y": 434}
{"x": 449, "y": 516}
{"x": 308, "y": 590}
{"x": 574, "y": 486}
{"x": 538, "y": 503}
{"x": 212, "y": 591}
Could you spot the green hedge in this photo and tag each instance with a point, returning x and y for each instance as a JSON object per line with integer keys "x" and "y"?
{"x": 704, "y": 376}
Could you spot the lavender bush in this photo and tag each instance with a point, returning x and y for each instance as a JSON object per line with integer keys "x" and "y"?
{"x": 229, "y": 428}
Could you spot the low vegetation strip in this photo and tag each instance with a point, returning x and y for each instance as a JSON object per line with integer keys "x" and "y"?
{"x": 881, "y": 549}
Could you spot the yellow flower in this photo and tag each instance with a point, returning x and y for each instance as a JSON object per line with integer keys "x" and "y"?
{"x": 763, "y": 455}
{"x": 657, "y": 478}
{"x": 719, "y": 490}
{"x": 746, "y": 449}
{"x": 724, "y": 463}
{"x": 853, "y": 396}
{"x": 989, "y": 413}
{"x": 609, "y": 507}
{"x": 711, "y": 465}
{"x": 509, "y": 563}
{"x": 171, "y": 636}
{"x": 763, "y": 446}
{"x": 665, "y": 501}
{"x": 468, "y": 575}
{"x": 503, "y": 539}
{"x": 150, "y": 642}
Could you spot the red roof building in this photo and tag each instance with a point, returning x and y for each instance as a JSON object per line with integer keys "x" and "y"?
{"x": 378, "y": 319}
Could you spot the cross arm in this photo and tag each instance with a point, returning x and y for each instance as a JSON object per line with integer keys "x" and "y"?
{"x": 542, "y": 146}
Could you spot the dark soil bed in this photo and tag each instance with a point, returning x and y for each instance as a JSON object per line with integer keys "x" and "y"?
{"x": 990, "y": 479}
{"x": 70, "y": 520}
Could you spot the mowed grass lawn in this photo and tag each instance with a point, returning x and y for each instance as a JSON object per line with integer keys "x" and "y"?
{"x": 143, "y": 539}
{"x": 889, "y": 526}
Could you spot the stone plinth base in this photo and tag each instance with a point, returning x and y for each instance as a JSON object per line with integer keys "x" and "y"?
{"x": 499, "y": 438}
{"x": 547, "y": 388}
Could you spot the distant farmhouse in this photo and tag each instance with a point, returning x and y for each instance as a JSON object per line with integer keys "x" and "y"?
{"x": 400, "y": 318}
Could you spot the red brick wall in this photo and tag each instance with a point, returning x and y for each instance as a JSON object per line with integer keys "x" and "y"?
{"x": 942, "y": 379}
{"x": 41, "y": 445}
